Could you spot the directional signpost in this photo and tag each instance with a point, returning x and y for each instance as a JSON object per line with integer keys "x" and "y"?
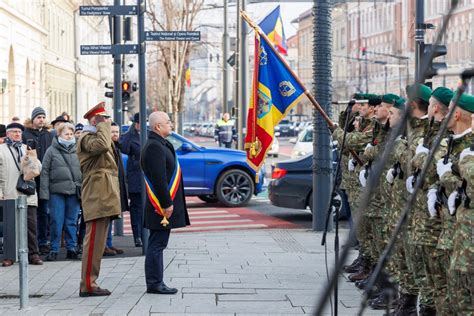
{"x": 117, "y": 49}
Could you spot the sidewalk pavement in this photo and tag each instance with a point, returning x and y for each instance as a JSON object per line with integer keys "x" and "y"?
{"x": 251, "y": 272}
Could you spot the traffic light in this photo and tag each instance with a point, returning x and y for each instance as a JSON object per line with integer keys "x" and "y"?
{"x": 109, "y": 94}
{"x": 126, "y": 87}
{"x": 439, "y": 50}
{"x": 363, "y": 50}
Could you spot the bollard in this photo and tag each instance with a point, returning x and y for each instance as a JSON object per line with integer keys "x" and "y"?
{"x": 118, "y": 227}
{"x": 23, "y": 250}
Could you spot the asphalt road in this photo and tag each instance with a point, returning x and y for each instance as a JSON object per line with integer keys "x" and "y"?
{"x": 260, "y": 203}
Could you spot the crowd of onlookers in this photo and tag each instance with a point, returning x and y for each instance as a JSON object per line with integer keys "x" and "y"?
{"x": 39, "y": 159}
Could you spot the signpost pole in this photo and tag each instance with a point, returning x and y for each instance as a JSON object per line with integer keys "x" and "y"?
{"x": 142, "y": 94}
{"x": 117, "y": 67}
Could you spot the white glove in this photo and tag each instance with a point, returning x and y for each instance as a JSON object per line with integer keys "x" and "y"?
{"x": 452, "y": 202}
{"x": 442, "y": 168}
{"x": 409, "y": 184}
{"x": 432, "y": 198}
{"x": 351, "y": 165}
{"x": 466, "y": 152}
{"x": 421, "y": 149}
{"x": 390, "y": 177}
{"x": 369, "y": 145}
{"x": 362, "y": 179}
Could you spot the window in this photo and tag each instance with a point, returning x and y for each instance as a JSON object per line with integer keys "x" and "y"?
{"x": 176, "y": 142}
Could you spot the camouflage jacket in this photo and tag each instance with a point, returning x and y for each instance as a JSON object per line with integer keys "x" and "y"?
{"x": 463, "y": 249}
{"x": 450, "y": 181}
{"x": 426, "y": 230}
{"x": 397, "y": 198}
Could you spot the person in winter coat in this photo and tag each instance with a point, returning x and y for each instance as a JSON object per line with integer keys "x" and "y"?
{"x": 161, "y": 168}
{"x": 12, "y": 153}
{"x": 100, "y": 194}
{"x": 110, "y": 250}
{"x": 61, "y": 180}
{"x": 130, "y": 145}
{"x": 37, "y": 134}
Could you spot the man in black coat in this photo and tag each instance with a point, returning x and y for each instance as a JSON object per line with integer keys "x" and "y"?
{"x": 158, "y": 164}
{"x": 38, "y": 137}
{"x": 130, "y": 145}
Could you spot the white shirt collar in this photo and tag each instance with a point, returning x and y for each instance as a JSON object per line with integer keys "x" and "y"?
{"x": 468, "y": 131}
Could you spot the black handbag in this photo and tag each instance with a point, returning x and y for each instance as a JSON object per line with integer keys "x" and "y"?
{"x": 27, "y": 187}
{"x": 78, "y": 186}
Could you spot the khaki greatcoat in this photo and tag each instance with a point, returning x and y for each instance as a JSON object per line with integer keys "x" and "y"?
{"x": 100, "y": 184}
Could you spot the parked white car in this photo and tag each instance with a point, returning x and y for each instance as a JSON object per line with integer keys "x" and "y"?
{"x": 303, "y": 143}
{"x": 273, "y": 152}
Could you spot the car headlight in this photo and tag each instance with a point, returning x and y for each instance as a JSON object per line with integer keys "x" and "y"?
{"x": 277, "y": 128}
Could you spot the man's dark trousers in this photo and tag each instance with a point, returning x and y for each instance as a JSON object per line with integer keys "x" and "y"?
{"x": 157, "y": 242}
{"x": 43, "y": 222}
{"x": 136, "y": 214}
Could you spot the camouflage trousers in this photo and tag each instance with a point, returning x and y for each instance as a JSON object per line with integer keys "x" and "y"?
{"x": 434, "y": 262}
{"x": 462, "y": 293}
{"x": 377, "y": 238}
{"x": 404, "y": 274}
{"x": 414, "y": 261}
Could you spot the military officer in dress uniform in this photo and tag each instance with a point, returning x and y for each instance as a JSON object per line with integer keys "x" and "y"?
{"x": 100, "y": 194}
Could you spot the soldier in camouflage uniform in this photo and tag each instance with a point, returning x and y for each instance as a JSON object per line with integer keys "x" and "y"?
{"x": 450, "y": 177}
{"x": 357, "y": 142}
{"x": 376, "y": 212}
{"x": 426, "y": 227}
{"x": 462, "y": 260}
{"x": 395, "y": 177}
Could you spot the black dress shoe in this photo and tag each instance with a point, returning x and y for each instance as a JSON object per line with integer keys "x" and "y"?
{"x": 72, "y": 255}
{"x": 95, "y": 292}
{"x": 162, "y": 289}
{"x": 138, "y": 242}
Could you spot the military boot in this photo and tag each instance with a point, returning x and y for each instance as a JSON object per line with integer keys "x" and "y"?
{"x": 427, "y": 311}
{"x": 407, "y": 306}
{"x": 362, "y": 273}
{"x": 354, "y": 266}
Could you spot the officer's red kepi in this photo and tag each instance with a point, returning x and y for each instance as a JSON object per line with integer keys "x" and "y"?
{"x": 99, "y": 109}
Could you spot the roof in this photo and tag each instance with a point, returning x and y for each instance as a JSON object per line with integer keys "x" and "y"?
{"x": 303, "y": 16}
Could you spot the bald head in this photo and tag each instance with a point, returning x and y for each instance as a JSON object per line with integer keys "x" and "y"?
{"x": 160, "y": 123}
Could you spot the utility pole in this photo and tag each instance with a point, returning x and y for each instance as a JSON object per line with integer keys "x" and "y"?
{"x": 243, "y": 76}
{"x": 419, "y": 36}
{"x": 322, "y": 78}
{"x": 117, "y": 66}
{"x": 238, "y": 97}
{"x": 142, "y": 97}
{"x": 225, "y": 65}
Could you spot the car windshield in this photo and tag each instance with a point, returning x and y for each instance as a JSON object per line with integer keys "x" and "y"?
{"x": 306, "y": 136}
{"x": 177, "y": 142}
{"x": 284, "y": 122}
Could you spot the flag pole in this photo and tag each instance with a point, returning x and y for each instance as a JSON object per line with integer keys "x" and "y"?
{"x": 306, "y": 91}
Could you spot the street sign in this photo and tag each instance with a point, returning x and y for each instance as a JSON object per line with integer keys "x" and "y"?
{"x": 191, "y": 36}
{"x": 109, "y": 49}
{"x": 108, "y": 10}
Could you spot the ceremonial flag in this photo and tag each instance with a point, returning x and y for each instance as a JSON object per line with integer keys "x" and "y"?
{"x": 275, "y": 91}
{"x": 272, "y": 26}
{"x": 187, "y": 75}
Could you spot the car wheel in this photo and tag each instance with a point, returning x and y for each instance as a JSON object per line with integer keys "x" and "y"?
{"x": 310, "y": 201}
{"x": 234, "y": 188}
{"x": 208, "y": 198}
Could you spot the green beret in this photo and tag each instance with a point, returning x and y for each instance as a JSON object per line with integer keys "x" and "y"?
{"x": 443, "y": 95}
{"x": 359, "y": 96}
{"x": 399, "y": 104}
{"x": 466, "y": 102}
{"x": 423, "y": 92}
{"x": 390, "y": 98}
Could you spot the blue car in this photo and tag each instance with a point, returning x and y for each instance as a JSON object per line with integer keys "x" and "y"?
{"x": 216, "y": 174}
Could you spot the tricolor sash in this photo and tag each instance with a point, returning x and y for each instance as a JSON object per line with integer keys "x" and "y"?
{"x": 172, "y": 187}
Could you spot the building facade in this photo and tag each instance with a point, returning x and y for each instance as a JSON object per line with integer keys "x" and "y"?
{"x": 40, "y": 61}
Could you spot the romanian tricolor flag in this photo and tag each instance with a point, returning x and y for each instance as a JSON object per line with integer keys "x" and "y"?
{"x": 187, "y": 74}
{"x": 272, "y": 26}
{"x": 275, "y": 91}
